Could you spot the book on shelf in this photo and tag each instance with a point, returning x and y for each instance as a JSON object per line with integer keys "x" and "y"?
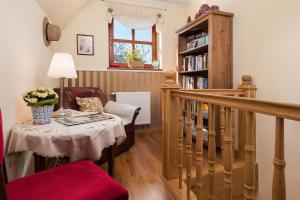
{"x": 195, "y": 63}
{"x": 196, "y": 82}
{"x": 196, "y": 41}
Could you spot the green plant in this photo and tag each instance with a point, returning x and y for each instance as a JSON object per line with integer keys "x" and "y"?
{"x": 135, "y": 55}
{"x": 40, "y": 97}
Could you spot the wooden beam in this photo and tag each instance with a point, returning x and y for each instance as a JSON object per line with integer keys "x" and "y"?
{"x": 211, "y": 153}
{"x": 199, "y": 150}
{"x": 228, "y": 156}
{"x": 249, "y": 193}
{"x": 180, "y": 140}
{"x": 279, "y": 188}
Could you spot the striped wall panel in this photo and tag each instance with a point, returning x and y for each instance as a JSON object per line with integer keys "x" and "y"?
{"x": 124, "y": 81}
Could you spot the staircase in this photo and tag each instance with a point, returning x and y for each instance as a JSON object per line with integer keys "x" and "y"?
{"x": 193, "y": 171}
{"x": 238, "y": 180}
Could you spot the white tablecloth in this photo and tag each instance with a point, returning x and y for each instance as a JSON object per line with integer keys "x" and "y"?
{"x": 78, "y": 142}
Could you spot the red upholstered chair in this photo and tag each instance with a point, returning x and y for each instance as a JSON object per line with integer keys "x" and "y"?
{"x": 81, "y": 180}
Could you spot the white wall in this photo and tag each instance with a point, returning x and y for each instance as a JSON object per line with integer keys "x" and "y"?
{"x": 91, "y": 20}
{"x": 24, "y": 58}
{"x": 266, "y": 40}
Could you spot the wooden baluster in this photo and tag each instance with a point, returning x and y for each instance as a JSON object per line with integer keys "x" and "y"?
{"x": 278, "y": 190}
{"x": 199, "y": 150}
{"x": 180, "y": 139}
{"x": 233, "y": 131}
{"x": 249, "y": 193}
{"x": 228, "y": 156}
{"x": 211, "y": 153}
{"x": 188, "y": 148}
{"x": 222, "y": 129}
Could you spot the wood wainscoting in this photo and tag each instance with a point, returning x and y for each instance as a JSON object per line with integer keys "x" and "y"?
{"x": 110, "y": 81}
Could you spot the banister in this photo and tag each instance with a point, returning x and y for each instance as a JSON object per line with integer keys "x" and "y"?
{"x": 217, "y": 91}
{"x": 224, "y": 106}
{"x": 278, "y": 109}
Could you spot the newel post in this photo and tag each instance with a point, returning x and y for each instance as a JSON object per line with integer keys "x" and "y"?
{"x": 169, "y": 130}
{"x": 250, "y": 92}
{"x": 247, "y": 141}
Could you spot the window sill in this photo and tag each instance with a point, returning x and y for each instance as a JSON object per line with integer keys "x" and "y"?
{"x": 133, "y": 69}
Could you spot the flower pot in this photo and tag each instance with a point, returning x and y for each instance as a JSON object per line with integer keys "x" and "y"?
{"x": 42, "y": 114}
{"x": 136, "y": 64}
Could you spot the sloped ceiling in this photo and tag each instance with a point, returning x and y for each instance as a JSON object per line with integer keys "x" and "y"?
{"x": 61, "y": 12}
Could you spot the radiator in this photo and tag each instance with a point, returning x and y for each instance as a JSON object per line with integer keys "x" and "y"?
{"x": 140, "y": 99}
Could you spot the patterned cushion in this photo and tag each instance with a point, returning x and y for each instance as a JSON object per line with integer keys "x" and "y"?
{"x": 90, "y": 104}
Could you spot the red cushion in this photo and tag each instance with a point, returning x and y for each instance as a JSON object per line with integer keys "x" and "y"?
{"x": 81, "y": 180}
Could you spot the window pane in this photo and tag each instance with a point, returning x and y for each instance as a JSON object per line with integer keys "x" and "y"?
{"x": 119, "y": 51}
{"x": 143, "y": 35}
{"x": 146, "y": 50}
{"x": 121, "y": 31}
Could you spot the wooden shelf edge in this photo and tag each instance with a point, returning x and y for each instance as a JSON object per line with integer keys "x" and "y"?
{"x": 132, "y": 69}
{"x": 193, "y": 72}
{"x": 194, "y": 50}
{"x": 201, "y": 19}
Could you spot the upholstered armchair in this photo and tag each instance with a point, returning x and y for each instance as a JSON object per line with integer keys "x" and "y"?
{"x": 128, "y": 113}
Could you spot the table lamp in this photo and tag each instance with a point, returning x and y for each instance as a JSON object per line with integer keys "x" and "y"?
{"x": 62, "y": 67}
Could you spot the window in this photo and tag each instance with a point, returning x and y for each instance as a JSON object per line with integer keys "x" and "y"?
{"x": 122, "y": 38}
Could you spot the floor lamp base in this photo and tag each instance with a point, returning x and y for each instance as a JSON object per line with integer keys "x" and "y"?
{"x": 61, "y": 113}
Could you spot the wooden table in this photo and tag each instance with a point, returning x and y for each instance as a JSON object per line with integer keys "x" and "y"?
{"x": 85, "y": 141}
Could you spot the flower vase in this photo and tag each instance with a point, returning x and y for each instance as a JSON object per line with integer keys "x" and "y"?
{"x": 42, "y": 114}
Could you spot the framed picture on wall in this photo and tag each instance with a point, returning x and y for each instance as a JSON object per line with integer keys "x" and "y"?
{"x": 85, "y": 45}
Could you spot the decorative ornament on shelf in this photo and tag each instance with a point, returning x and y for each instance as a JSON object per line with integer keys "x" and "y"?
{"x": 203, "y": 9}
{"x": 135, "y": 59}
{"x": 206, "y": 8}
{"x": 41, "y": 101}
{"x": 214, "y": 8}
{"x": 189, "y": 19}
{"x": 156, "y": 64}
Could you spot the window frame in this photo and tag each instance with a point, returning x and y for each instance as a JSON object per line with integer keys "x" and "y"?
{"x": 133, "y": 42}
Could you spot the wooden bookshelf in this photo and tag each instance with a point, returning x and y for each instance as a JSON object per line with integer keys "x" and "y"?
{"x": 218, "y": 72}
{"x": 218, "y": 26}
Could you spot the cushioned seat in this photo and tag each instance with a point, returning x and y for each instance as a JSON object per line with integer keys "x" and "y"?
{"x": 81, "y": 180}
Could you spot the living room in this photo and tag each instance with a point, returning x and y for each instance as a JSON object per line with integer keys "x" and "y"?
{"x": 135, "y": 55}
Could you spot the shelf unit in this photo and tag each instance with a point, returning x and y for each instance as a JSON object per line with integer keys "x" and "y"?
{"x": 218, "y": 26}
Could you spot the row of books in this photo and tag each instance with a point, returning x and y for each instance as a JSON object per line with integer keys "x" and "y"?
{"x": 196, "y": 41}
{"x": 197, "y": 82}
{"x": 194, "y": 63}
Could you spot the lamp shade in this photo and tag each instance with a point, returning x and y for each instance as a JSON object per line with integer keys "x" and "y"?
{"x": 62, "y": 66}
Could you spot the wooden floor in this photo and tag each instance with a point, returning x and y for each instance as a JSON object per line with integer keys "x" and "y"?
{"x": 140, "y": 169}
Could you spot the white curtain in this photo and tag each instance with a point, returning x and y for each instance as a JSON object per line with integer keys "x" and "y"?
{"x": 135, "y": 17}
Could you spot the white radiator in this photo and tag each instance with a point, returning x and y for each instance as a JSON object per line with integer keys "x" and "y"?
{"x": 140, "y": 99}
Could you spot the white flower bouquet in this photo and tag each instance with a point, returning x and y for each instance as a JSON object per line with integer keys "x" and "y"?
{"x": 40, "y": 97}
{"x": 41, "y": 101}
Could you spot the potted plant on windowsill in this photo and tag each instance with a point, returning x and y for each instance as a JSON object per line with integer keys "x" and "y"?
{"x": 41, "y": 101}
{"x": 135, "y": 59}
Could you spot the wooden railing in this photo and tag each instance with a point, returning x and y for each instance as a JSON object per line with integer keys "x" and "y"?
{"x": 227, "y": 104}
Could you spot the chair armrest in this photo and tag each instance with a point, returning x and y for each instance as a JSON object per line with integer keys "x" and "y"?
{"x": 127, "y": 112}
